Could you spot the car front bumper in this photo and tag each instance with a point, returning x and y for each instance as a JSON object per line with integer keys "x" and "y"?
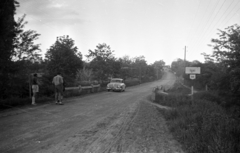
{"x": 115, "y": 89}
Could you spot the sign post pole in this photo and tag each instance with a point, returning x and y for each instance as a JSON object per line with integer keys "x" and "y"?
{"x": 192, "y": 71}
{"x": 192, "y": 88}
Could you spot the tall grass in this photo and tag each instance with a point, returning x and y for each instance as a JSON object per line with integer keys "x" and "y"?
{"x": 202, "y": 126}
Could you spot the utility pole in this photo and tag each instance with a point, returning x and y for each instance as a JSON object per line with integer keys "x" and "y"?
{"x": 184, "y": 66}
{"x": 185, "y": 56}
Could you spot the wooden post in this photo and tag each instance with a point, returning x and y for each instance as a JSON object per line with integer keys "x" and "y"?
{"x": 92, "y": 90}
{"x": 99, "y": 88}
{"x": 80, "y": 88}
{"x": 192, "y": 93}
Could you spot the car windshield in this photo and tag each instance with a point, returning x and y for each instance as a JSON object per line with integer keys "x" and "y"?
{"x": 120, "y": 81}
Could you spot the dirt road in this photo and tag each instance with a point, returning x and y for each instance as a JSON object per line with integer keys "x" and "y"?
{"x": 97, "y": 123}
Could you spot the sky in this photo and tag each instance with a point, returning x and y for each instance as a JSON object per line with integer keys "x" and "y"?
{"x": 156, "y": 29}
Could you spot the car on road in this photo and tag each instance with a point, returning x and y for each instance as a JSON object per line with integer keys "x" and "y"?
{"x": 116, "y": 84}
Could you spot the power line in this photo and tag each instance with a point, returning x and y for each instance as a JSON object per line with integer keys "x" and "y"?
{"x": 217, "y": 12}
{"x": 217, "y": 20}
{"x": 200, "y": 21}
{"x": 206, "y": 27}
{"x": 224, "y": 13}
{"x": 195, "y": 16}
{"x": 203, "y": 36}
{"x": 193, "y": 41}
{"x": 238, "y": 10}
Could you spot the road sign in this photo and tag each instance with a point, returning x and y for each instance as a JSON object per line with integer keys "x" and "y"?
{"x": 192, "y": 70}
{"x": 192, "y": 76}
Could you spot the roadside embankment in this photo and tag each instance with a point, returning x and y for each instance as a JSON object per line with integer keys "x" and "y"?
{"x": 201, "y": 125}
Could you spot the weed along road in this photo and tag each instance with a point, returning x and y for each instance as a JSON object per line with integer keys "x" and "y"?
{"x": 97, "y": 123}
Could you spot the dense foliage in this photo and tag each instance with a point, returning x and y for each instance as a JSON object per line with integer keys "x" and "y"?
{"x": 63, "y": 57}
{"x": 102, "y": 61}
{"x": 21, "y": 57}
{"x": 24, "y": 47}
{"x": 210, "y": 123}
{"x": 221, "y": 69}
{"x": 7, "y": 34}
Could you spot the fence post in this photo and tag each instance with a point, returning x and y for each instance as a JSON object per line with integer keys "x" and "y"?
{"x": 99, "y": 87}
{"x": 192, "y": 92}
{"x": 92, "y": 90}
{"x": 80, "y": 88}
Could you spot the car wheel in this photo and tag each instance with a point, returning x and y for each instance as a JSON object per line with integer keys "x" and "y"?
{"x": 108, "y": 90}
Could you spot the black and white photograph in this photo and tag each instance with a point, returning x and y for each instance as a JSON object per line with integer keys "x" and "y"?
{"x": 119, "y": 76}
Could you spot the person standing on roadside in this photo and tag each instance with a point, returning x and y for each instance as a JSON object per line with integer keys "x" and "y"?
{"x": 35, "y": 88}
{"x": 58, "y": 82}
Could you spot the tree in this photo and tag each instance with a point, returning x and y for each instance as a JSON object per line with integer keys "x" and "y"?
{"x": 178, "y": 66}
{"x": 102, "y": 61}
{"x": 140, "y": 67}
{"x": 7, "y": 34}
{"x": 226, "y": 50}
{"x": 84, "y": 75}
{"x": 158, "y": 66}
{"x": 126, "y": 67}
{"x": 63, "y": 56}
{"x": 24, "y": 47}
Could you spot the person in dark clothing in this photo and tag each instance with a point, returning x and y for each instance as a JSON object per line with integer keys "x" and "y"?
{"x": 35, "y": 88}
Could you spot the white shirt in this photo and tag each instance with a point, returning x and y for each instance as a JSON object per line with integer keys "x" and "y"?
{"x": 57, "y": 80}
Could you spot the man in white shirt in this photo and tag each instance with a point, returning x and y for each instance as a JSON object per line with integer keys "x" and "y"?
{"x": 58, "y": 82}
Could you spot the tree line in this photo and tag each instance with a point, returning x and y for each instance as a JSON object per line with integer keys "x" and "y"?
{"x": 220, "y": 72}
{"x": 21, "y": 56}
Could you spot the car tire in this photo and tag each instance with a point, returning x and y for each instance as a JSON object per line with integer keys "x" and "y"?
{"x": 108, "y": 90}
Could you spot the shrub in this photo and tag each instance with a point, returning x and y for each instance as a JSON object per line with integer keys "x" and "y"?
{"x": 209, "y": 96}
{"x": 202, "y": 126}
{"x": 132, "y": 81}
{"x": 85, "y": 83}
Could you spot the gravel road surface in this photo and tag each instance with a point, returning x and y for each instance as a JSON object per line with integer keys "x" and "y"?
{"x": 105, "y": 122}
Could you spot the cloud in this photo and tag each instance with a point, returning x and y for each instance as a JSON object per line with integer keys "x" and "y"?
{"x": 49, "y": 12}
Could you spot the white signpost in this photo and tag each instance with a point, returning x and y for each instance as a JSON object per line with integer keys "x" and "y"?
{"x": 192, "y": 71}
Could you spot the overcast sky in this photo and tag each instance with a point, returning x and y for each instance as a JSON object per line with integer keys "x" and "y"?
{"x": 156, "y": 29}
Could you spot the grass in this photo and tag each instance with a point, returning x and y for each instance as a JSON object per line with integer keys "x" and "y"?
{"x": 203, "y": 126}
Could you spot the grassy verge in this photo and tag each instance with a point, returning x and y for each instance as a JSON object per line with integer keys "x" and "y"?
{"x": 203, "y": 126}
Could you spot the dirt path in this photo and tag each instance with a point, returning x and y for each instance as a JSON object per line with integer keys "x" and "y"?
{"x": 99, "y": 123}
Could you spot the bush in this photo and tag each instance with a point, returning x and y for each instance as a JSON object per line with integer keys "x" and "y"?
{"x": 209, "y": 96}
{"x": 204, "y": 127}
{"x": 201, "y": 126}
{"x": 172, "y": 100}
{"x": 85, "y": 83}
{"x": 132, "y": 81}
